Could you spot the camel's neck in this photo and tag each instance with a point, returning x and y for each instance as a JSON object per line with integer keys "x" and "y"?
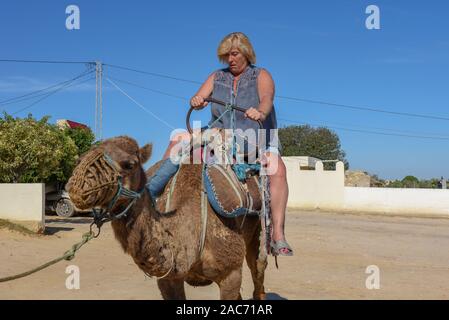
{"x": 141, "y": 216}
{"x": 143, "y": 236}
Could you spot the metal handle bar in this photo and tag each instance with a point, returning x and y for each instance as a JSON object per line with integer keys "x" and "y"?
{"x": 217, "y": 102}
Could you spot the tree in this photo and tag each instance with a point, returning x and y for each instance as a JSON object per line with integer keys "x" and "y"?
{"x": 320, "y": 143}
{"x": 410, "y": 182}
{"x": 83, "y": 138}
{"x": 395, "y": 184}
{"x": 413, "y": 182}
{"x": 377, "y": 182}
{"x": 430, "y": 184}
{"x": 34, "y": 151}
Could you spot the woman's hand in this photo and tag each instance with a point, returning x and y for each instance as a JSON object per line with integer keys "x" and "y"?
{"x": 197, "y": 102}
{"x": 255, "y": 114}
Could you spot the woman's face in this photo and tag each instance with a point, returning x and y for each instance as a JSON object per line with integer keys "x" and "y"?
{"x": 237, "y": 61}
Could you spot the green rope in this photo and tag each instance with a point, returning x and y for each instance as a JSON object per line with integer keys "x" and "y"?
{"x": 68, "y": 255}
{"x": 228, "y": 108}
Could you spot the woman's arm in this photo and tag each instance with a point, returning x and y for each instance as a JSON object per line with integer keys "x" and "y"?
{"x": 203, "y": 92}
{"x": 265, "y": 88}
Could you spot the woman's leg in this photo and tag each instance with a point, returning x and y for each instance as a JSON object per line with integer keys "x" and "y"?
{"x": 193, "y": 143}
{"x": 279, "y": 195}
{"x": 174, "y": 147}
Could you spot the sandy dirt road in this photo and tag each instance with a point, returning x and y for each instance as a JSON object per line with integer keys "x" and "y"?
{"x": 332, "y": 252}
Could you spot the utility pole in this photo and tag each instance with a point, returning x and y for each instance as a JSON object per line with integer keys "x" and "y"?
{"x": 98, "y": 101}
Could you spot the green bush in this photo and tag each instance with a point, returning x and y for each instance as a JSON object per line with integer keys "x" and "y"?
{"x": 35, "y": 151}
{"x": 82, "y": 137}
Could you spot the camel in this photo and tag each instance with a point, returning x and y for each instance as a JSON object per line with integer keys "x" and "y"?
{"x": 166, "y": 244}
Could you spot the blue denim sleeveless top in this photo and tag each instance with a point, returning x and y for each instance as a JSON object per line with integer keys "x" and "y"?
{"x": 246, "y": 96}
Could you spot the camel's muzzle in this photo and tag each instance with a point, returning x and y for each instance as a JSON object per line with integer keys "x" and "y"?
{"x": 95, "y": 181}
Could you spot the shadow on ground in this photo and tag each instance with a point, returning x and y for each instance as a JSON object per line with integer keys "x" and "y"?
{"x": 75, "y": 220}
{"x": 49, "y": 231}
{"x": 274, "y": 296}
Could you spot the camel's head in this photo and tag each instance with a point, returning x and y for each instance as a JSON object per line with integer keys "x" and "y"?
{"x": 95, "y": 180}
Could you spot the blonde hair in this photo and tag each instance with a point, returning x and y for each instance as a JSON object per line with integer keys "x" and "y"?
{"x": 236, "y": 40}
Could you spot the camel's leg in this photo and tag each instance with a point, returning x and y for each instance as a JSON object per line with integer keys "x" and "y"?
{"x": 172, "y": 289}
{"x": 230, "y": 286}
{"x": 257, "y": 267}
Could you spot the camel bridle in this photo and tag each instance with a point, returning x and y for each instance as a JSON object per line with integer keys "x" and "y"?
{"x": 97, "y": 180}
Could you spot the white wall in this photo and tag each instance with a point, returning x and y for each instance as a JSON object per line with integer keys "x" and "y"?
{"x": 322, "y": 189}
{"x": 397, "y": 200}
{"x": 314, "y": 189}
{"x": 23, "y": 203}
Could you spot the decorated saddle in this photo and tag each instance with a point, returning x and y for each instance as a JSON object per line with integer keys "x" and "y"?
{"x": 232, "y": 189}
{"x": 230, "y": 196}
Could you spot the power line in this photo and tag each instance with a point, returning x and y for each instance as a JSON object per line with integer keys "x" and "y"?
{"x": 150, "y": 89}
{"x": 35, "y": 94}
{"x": 51, "y": 93}
{"x": 408, "y": 114}
{"x": 371, "y": 132}
{"x": 403, "y": 134}
{"x": 68, "y": 85}
{"x": 152, "y": 73}
{"x": 46, "y": 61}
{"x": 407, "y": 133}
{"x": 297, "y": 99}
{"x": 338, "y": 105}
{"x": 380, "y": 128}
{"x": 140, "y": 105}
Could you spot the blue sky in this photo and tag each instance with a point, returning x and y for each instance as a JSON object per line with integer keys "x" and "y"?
{"x": 317, "y": 50}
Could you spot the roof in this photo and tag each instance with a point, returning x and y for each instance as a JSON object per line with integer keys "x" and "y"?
{"x": 63, "y": 123}
{"x": 73, "y": 124}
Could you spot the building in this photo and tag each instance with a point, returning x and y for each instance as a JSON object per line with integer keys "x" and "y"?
{"x": 63, "y": 124}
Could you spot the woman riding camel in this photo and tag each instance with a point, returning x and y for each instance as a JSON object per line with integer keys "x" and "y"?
{"x": 251, "y": 88}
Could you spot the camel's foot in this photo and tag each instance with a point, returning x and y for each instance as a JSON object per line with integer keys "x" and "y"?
{"x": 259, "y": 296}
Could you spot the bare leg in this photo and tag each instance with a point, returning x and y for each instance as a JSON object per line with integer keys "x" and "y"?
{"x": 279, "y": 194}
{"x": 174, "y": 147}
{"x": 172, "y": 289}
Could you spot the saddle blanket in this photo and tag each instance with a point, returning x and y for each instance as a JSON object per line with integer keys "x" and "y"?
{"x": 227, "y": 195}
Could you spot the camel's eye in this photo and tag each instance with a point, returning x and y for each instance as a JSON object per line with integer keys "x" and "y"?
{"x": 127, "y": 165}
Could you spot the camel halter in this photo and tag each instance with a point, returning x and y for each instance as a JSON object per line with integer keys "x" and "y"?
{"x": 99, "y": 168}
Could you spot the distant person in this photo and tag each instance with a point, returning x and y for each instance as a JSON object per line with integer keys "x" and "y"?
{"x": 443, "y": 183}
{"x": 440, "y": 183}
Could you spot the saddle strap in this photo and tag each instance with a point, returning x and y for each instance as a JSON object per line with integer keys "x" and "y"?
{"x": 171, "y": 190}
{"x": 203, "y": 220}
{"x": 204, "y": 203}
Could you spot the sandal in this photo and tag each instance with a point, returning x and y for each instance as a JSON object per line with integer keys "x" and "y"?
{"x": 278, "y": 246}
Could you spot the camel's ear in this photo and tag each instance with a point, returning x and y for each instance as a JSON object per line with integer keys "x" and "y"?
{"x": 145, "y": 152}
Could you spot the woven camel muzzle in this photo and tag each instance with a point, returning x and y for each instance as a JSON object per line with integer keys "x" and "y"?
{"x": 94, "y": 181}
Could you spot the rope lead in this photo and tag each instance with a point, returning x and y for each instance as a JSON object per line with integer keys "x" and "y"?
{"x": 68, "y": 255}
